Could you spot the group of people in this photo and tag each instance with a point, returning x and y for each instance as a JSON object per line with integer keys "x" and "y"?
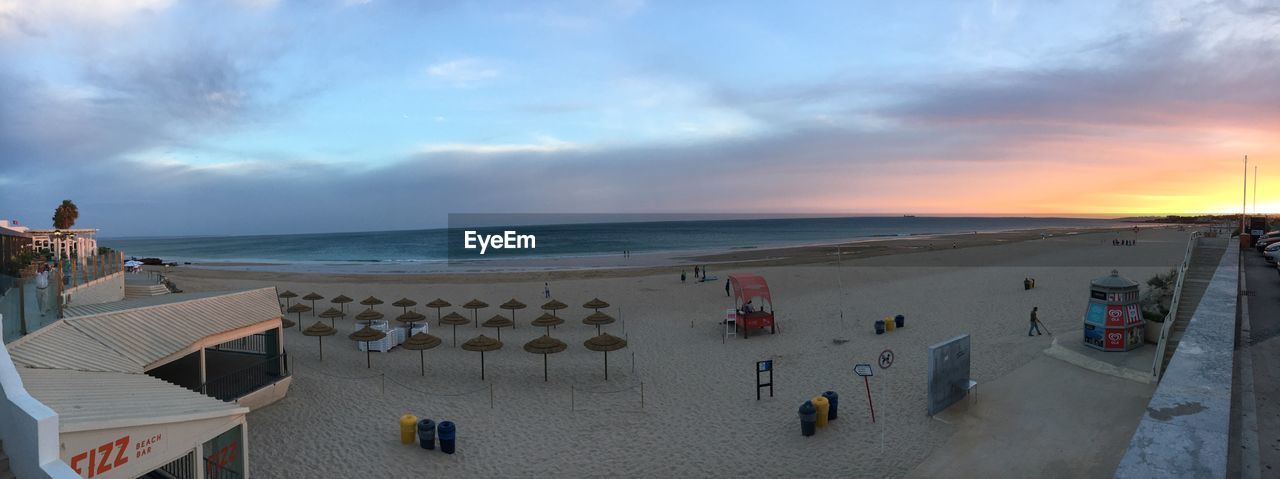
{"x": 699, "y": 273}
{"x": 1123, "y": 242}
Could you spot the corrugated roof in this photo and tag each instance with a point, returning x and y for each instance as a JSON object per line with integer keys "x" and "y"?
{"x": 138, "y": 337}
{"x": 90, "y": 309}
{"x": 94, "y": 400}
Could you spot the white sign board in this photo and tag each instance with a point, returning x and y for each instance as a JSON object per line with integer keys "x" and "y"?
{"x": 863, "y": 370}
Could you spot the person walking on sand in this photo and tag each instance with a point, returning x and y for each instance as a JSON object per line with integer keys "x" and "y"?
{"x": 726, "y": 288}
{"x": 681, "y": 276}
{"x": 695, "y": 272}
{"x": 1035, "y": 322}
{"x": 546, "y": 291}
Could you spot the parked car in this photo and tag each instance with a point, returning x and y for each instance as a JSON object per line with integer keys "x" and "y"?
{"x": 1264, "y": 242}
{"x": 1272, "y": 253}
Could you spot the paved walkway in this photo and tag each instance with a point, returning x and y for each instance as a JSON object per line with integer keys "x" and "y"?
{"x": 1046, "y": 419}
{"x": 1263, "y": 299}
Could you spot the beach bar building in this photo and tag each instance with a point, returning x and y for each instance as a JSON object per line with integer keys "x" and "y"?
{"x": 154, "y": 384}
{"x": 1113, "y": 320}
{"x": 65, "y": 244}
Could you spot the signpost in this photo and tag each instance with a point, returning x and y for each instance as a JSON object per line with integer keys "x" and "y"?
{"x": 865, "y": 371}
{"x": 761, "y": 368}
{"x": 886, "y": 360}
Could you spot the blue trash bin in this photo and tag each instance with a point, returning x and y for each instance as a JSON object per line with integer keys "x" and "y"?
{"x": 900, "y": 321}
{"x": 448, "y": 434}
{"x": 879, "y": 326}
{"x": 427, "y": 434}
{"x": 808, "y": 418}
{"x": 834, "y": 400}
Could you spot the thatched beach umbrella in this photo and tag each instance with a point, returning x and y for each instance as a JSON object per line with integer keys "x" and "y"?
{"x": 299, "y": 308}
{"x": 366, "y": 335}
{"x": 408, "y": 318}
{"x": 312, "y": 297}
{"x": 287, "y": 323}
{"x": 454, "y": 319}
{"x": 604, "y": 343}
{"x": 341, "y": 301}
{"x": 369, "y": 316}
{"x": 554, "y": 306}
{"x": 595, "y": 304}
{"x": 545, "y": 345}
{"x": 437, "y": 304}
{"x": 405, "y": 303}
{"x": 498, "y": 322}
{"x": 421, "y": 342}
{"x": 320, "y": 330}
{"x": 482, "y": 344}
{"x": 547, "y": 321}
{"x": 287, "y": 295}
{"x": 597, "y": 319}
{"x": 332, "y": 313}
{"x": 513, "y": 305}
{"x": 475, "y": 306}
{"x": 371, "y": 301}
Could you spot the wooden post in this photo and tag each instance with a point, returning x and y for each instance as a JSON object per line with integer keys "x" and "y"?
{"x": 203, "y": 373}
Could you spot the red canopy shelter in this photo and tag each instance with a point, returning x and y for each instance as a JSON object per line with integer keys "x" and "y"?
{"x": 752, "y": 289}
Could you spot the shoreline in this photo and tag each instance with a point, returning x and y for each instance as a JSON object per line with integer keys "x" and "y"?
{"x": 681, "y": 261}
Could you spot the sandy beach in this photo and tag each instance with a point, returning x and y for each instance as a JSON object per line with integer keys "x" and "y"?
{"x": 698, "y": 415}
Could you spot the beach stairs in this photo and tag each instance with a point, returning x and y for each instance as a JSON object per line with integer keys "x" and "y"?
{"x": 138, "y": 286}
{"x": 1204, "y": 262}
{"x": 5, "y": 473}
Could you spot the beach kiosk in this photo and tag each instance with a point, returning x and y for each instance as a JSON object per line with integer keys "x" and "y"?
{"x": 1113, "y": 320}
{"x": 752, "y": 303}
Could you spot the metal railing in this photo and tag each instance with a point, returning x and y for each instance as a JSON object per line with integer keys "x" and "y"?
{"x": 1158, "y": 363}
{"x": 256, "y": 344}
{"x": 245, "y": 380}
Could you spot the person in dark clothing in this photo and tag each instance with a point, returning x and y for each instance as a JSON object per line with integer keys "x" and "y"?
{"x": 695, "y": 272}
{"x": 1035, "y": 322}
{"x": 681, "y": 276}
{"x": 726, "y": 288}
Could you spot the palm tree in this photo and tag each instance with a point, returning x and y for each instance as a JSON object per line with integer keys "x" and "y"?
{"x": 65, "y": 216}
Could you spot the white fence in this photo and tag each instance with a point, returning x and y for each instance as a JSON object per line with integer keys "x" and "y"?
{"x": 1167, "y": 326}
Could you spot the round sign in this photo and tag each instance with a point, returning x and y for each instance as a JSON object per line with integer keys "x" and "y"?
{"x": 886, "y": 359}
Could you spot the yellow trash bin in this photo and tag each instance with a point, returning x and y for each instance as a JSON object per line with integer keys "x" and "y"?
{"x": 888, "y": 323}
{"x": 823, "y": 406}
{"x": 408, "y": 428}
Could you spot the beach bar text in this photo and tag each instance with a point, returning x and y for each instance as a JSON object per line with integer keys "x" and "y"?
{"x": 509, "y": 239}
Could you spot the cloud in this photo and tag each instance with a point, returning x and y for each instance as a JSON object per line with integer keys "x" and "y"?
{"x": 38, "y": 18}
{"x": 546, "y": 145}
{"x": 462, "y": 72}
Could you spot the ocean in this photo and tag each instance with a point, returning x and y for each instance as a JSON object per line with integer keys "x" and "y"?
{"x": 430, "y": 249}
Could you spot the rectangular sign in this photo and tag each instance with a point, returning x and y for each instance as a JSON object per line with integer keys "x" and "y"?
{"x": 863, "y": 370}
{"x": 763, "y": 366}
{"x": 948, "y": 372}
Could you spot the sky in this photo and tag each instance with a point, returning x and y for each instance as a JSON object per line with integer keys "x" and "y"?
{"x": 164, "y": 117}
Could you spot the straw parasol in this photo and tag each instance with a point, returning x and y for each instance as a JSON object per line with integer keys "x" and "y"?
{"x": 371, "y": 301}
{"x": 421, "y": 342}
{"x": 604, "y": 343}
{"x": 341, "y": 301}
{"x": 512, "y": 305}
{"x": 408, "y": 318}
{"x": 475, "y": 306}
{"x": 597, "y": 319}
{"x": 299, "y": 308}
{"x": 498, "y": 322}
{"x": 454, "y": 319}
{"x": 405, "y": 303}
{"x": 554, "y": 306}
{"x": 437, "y": 304}
{"x": 545, "y": 345}
{"x": 320, "y": 330}
{"x": 369, "y": 315}
{"x": 595, "y": 304}
{"x": 287, "y": 323}
{"x": 547, "y": 321}
{"x": 367, "y": 334}
{"x": 312, "y": 297}
{"x": 287, "y": 295}
{"x": 332, "y": 313}
{"x": 482, "y": 344}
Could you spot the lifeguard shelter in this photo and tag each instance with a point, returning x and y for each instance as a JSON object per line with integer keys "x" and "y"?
{"x": 1113, "y": 320}
{"x": 753, "y": 290}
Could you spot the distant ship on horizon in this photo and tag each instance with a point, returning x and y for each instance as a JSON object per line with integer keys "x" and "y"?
{"x": 908, "y": 216}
